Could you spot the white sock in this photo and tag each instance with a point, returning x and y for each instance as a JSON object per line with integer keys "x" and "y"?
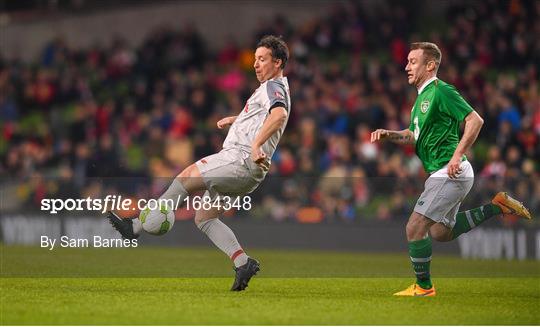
{"x": 137, "y": 226}
{"x": 223, "y": 237}
{"x": 175, "y": 192}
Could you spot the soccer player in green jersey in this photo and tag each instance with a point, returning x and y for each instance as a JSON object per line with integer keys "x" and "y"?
{"x": 434, "y": 129}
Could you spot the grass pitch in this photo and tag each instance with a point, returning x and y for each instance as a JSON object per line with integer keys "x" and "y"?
{"x": 190, "y": 286}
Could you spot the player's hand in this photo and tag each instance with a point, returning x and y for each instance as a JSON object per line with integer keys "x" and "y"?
{"x": 222, "y": 123}
{"x": 454, "y": 168}
{"x": 259, "y": 157}
{"x": 379, "y": 134}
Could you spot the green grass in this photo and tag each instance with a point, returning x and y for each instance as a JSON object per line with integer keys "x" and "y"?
{"x": 190, "y": 286}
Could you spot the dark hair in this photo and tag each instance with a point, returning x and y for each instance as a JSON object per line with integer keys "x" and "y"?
{"x": 277, "y": 46}
{"x": 431, "y": 51}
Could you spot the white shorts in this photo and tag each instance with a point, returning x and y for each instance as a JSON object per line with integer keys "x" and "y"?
{"x": 230, "y": 172}
{"x": 442, "y": 196}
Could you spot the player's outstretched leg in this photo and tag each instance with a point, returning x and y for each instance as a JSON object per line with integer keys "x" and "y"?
{"x": 161, "y": 219}
{"x": 502, "y": 203}
{"x": 156, "y": 221}
{"x": 223, "y": 237}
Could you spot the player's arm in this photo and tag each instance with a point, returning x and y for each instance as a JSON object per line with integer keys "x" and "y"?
{"x": 473, "y": 124}
{"x": 275, "y": 120}
{"x": 457, "y": 107}
{"x": 400, "y": 137}
{"x": 224, "y": 122}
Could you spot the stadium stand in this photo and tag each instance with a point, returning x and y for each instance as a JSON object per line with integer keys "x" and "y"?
{"x": 77, "y": 119}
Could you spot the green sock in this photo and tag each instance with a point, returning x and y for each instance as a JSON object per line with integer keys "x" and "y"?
{"x": 467, "y": 220}
{"x": 420, "y": 253}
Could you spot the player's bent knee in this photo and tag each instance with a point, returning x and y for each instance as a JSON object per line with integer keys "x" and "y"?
{"x": 417, "y": 227}
{"x": 157, "y": 221}
{"x": 191, "y": 179}
{"x": 192, "y": 171}
{"x": 412, "y": 231}
{"x": 413, "y": 226}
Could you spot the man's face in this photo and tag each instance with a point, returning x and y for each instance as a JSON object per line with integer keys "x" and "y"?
{"x": 265, "y": 66}
{"x": 417, "y": 67}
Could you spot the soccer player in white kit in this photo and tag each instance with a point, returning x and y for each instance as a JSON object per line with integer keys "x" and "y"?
{"x": 239, "y": 167}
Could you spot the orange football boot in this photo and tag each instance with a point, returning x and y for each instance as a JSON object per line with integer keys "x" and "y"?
{"x": 416, "y": 290}
{"x": 509, "y": 205}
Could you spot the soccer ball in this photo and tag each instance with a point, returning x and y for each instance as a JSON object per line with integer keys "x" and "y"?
{"x": 158, "y": 221}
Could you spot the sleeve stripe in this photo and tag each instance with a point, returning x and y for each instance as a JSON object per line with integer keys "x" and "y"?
{"x": 279, "y": 104}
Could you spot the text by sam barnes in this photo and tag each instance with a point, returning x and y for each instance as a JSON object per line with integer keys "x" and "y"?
{"x": 96, "y": 241}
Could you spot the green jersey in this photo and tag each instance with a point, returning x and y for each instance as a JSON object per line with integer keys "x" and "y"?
{"x": 435, "y": 118}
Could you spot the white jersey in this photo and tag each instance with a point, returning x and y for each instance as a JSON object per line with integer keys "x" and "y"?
{"x": 272, "y": 93}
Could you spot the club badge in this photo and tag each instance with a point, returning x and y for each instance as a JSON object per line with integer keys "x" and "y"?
{"x": 424, "y": 106}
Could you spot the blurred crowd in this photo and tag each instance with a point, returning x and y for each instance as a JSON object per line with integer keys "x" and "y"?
{"x": 77, "y": 119}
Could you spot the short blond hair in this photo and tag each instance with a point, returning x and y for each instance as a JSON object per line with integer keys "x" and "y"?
{"x": 431, "y": 51}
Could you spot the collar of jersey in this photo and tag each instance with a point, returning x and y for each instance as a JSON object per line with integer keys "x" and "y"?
{"x": 426, "y": 83}
{"x": 274, "y": 79}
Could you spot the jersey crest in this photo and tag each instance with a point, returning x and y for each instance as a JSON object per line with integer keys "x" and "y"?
{"x": 424, "y": 106}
